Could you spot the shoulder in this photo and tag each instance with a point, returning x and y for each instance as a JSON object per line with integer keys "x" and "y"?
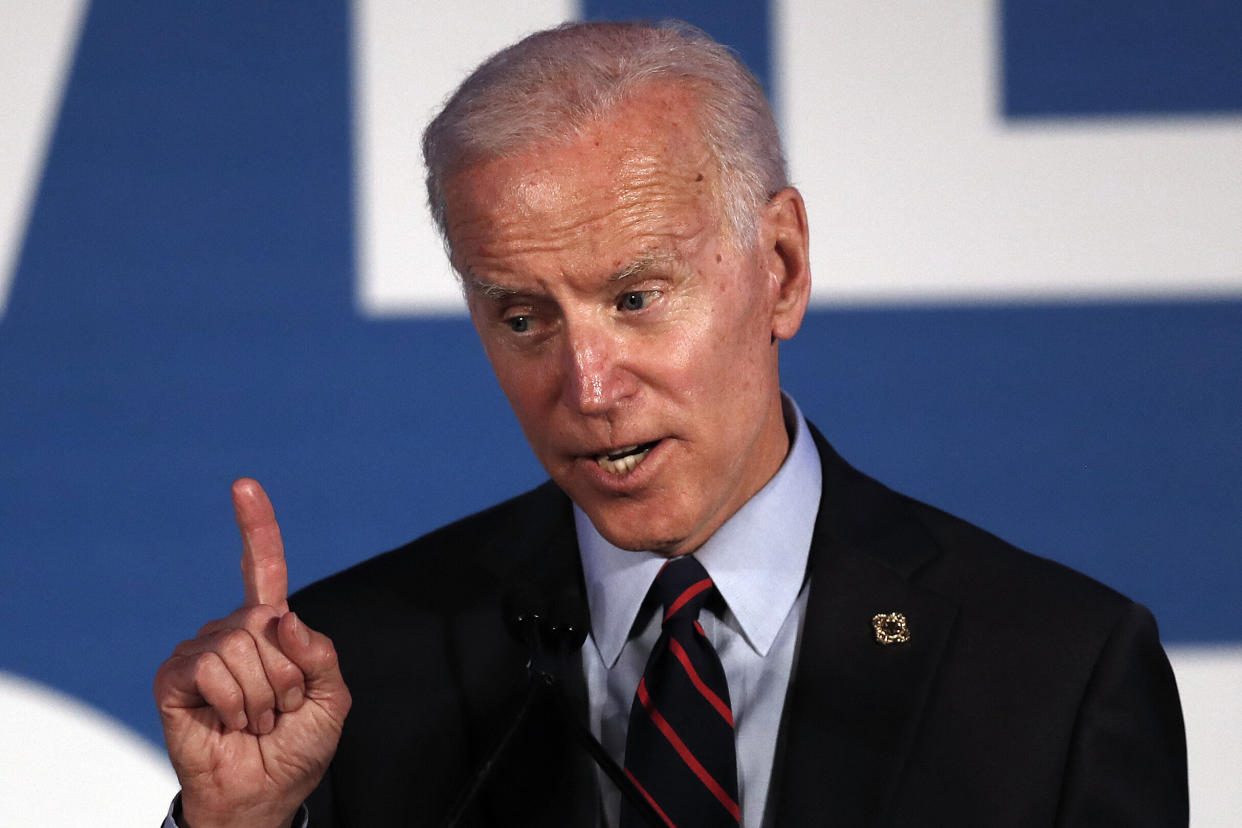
{"x": 1080, "y": 664}
{"x": 1028, "y": 668}
{"x": 1005, "y": 598}
{"x": 442, "y": 573}
{"x": 976, "y": 566}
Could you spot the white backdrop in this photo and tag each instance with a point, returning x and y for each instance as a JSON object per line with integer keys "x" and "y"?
{"x": 920, "y": 192}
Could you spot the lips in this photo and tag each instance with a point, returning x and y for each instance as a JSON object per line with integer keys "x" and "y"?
{"x": 625, "y": 459}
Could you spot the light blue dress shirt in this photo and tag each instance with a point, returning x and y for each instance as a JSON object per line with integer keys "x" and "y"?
{"x": 757, "y": 560}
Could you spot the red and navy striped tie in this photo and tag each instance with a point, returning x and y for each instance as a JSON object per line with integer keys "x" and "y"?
{"x": 679, "y": 750}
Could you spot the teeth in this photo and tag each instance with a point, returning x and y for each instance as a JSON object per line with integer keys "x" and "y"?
{"x": 621, "y": 452}
{"x": 622, "y": 461}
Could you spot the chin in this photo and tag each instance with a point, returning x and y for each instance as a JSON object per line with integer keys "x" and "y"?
{"x": 620, "y": 532}
{"x": 645, "y": 522}
{"x": 665, "y": 548}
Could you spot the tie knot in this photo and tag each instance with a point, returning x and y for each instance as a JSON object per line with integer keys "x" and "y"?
{"x": 682, "y": 587}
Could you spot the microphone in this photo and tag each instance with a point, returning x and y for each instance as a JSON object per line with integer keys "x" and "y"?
{"x": 552, "y": 627}
{"x": 553, "y": 631}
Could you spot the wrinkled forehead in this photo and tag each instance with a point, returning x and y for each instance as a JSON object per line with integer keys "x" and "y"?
{"x": 648, "y": 107}
{"x": 645, "y": 160}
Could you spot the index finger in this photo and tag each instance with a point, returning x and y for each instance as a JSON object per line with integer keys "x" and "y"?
{"x": 263, "y": 554}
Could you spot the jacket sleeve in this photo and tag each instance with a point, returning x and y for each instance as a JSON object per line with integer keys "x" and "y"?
{"x": 1127, "y": 759}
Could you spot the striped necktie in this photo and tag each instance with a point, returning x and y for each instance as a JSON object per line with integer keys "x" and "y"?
{"x": 679, "y": 750}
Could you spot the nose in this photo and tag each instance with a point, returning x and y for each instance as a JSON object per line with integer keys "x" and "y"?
{"x": 596, "y": 377}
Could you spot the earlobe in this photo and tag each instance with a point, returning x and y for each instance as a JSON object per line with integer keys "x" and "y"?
{"x": 785, "y": 245}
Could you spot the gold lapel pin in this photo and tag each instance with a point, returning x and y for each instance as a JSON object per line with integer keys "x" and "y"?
{"x": 890, "y": 628}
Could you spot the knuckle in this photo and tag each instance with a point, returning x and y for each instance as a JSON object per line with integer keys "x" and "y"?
{"x": 324, "y": 657}
{"x": 216, "y": 625}
{"x": 235, "y": 644}
{"x": 209, "y": 628}
{"x": 164, "y": 682}
{"x": 215, "y": 682}
{"x": 286, "y": 675}
{"x": 257, "y": 617}
{"x": 206, "y": 667}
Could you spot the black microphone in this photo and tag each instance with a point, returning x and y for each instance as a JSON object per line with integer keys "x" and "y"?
{"x": 552, "y": 627}
{"x": 553, "y": 630}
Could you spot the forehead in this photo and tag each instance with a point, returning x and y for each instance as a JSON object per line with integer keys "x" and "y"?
{"x": 637, "y": 180}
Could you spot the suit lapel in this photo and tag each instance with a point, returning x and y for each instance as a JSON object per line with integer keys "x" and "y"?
{"x": 854, "y": 705}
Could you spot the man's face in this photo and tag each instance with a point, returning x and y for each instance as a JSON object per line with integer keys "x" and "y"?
{"x": 634, "y": 341}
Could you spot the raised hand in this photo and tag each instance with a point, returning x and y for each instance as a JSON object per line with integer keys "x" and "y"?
{"x": 252, "y": 707}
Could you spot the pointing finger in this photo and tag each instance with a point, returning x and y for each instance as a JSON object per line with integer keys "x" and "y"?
{"x": 263, "y": 554}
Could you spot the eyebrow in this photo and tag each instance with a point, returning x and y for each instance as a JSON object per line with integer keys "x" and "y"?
{"x": 488, "y": 290}
{"x": 640, "y": 265}
{"x": 472, "y": 283}
{"x": 496, "y": 293}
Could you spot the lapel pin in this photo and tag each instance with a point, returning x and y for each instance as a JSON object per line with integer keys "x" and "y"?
{"x": 890, "y": 628}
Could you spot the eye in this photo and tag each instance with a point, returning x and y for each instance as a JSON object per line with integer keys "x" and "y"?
{"x": 518, "y": 324}
{"x": 635, "y": 300}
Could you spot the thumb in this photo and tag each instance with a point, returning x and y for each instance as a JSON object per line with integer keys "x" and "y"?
{"x": 314, "y": 654}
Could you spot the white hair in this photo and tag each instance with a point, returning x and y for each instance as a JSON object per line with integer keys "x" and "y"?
{"x": 548, "y": 86}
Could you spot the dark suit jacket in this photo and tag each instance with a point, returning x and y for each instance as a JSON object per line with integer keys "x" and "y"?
{"x": 1027, "y": 694}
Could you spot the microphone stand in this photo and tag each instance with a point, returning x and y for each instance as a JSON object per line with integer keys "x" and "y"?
{"x": 533, "y": 690}
{"x": 565, "y": 639}
{"x": 605, "y": 763}
{"x": 544, "y": 679}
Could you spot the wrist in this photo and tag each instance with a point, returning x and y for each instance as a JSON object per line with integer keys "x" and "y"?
{"x": 200, "y": 817}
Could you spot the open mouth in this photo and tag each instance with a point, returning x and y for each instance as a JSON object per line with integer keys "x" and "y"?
{"x": 625, "y": 459}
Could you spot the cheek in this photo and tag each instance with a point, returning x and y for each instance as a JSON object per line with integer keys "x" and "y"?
{"x": 738, "y": 367}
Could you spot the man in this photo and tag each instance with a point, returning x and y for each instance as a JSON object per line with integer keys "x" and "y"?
{"x": 615, "y": 202}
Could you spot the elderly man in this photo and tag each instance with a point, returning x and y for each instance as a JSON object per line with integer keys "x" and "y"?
{"x": 775, "y": 639}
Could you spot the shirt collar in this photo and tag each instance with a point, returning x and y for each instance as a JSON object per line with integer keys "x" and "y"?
{"x": 757, "y": 559}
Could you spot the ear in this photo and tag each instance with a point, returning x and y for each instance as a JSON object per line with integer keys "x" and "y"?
{"x": 784, "y": 249}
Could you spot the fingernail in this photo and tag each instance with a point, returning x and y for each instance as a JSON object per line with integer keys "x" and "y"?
{"x": 299, "y": 630}
{"x": 292, "y": 700}
{"x": 267, "y": 721}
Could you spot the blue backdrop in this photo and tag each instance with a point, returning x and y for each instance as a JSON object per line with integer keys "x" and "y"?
{"x": 183, "y": 313}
